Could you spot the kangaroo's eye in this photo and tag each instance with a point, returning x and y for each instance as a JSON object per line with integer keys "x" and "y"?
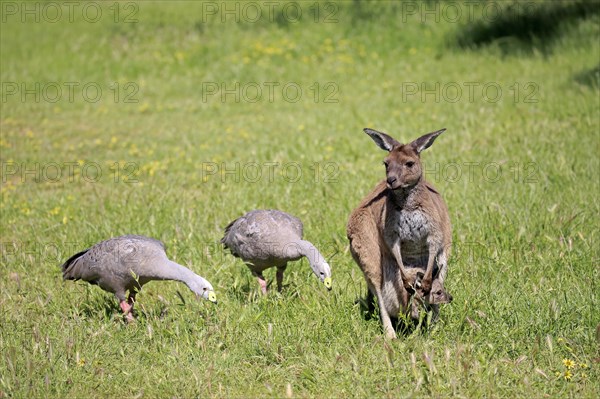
{"x": 409, "y": 164}
{"x": 385, "y": 163}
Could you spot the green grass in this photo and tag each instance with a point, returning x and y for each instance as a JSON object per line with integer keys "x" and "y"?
{"x": 524, "y": 270}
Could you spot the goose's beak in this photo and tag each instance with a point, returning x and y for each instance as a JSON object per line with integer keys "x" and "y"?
{"x": 327, "y": 283}
{"x": 212, "y": 296}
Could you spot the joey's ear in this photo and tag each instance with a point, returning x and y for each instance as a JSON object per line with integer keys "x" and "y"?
{"x": 425, "y": 141}
{"x": 418, "y": 279}
{"x": 382, "y": 140}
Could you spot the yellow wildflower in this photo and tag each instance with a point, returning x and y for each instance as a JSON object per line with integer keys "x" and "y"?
{"x": 133, "y": 150}
{"x": 568, "y": 375}
{"x": 569, "y": 364}
{"x": 143, "y": 108}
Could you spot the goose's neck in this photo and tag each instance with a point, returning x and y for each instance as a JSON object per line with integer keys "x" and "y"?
{"x": 311, "y": 252}
{"x": 177, "y": 272}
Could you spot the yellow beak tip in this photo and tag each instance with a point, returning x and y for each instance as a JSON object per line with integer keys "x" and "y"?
{"x": 212, "y": 297}
{"x": 327, "y": 283}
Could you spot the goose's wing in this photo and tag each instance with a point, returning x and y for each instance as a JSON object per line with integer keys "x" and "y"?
{"x": 96, "y": 265}
{"x": 259, "y": 234}
{"x": 113, "y": 263}
{"x": 287, "y": 225}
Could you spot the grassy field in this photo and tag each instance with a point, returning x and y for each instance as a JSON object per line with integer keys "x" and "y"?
{"x": 172, "y": 119}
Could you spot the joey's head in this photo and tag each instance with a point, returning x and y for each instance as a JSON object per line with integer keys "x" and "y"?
{"x": 421, "y": 300}
{"x": 438, "y": 294}
{"x": 403, "y": 167}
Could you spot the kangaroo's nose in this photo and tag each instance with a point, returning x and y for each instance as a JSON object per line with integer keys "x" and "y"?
{"x": 391, "y": 180}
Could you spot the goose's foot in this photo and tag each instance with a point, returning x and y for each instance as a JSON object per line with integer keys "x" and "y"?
{"x": 127, "y": 311}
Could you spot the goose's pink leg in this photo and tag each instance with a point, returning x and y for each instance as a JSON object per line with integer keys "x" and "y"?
{"x": 263, "y": 283}
{"x": 131, "y": 302}
{"x": 127, "y": 308}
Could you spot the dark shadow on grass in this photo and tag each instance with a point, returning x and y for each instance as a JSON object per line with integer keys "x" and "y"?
{"x": 523, "y": 27}
{"x": 95, "y": 308}
{"x": 245, "y": 291}
{"x": 403, "y": 326}
{"x": 589, "y": 77}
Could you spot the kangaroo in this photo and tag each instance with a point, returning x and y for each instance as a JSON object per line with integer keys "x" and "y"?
{"x": 403, "y": 223}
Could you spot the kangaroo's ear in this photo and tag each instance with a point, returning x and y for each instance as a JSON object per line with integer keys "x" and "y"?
{"x": 425, "y": 141}
{"x": 382, "y": 140}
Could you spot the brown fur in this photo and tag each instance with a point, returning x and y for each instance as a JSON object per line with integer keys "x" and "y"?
{"x": 402, "y": 224}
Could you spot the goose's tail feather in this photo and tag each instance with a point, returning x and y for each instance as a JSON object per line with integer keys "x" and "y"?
{"x": 67, "y": 267}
